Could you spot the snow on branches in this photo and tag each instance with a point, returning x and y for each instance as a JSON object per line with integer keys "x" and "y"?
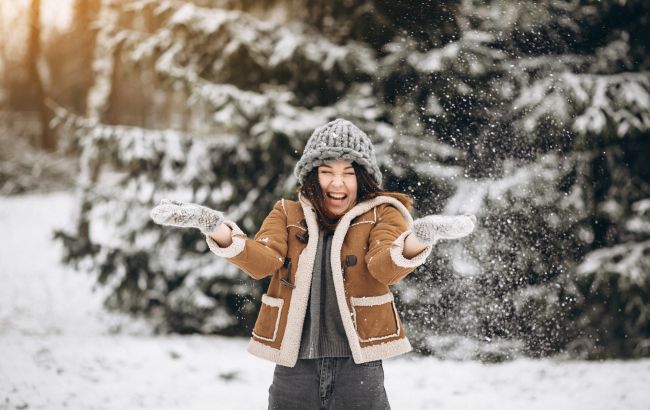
{"x": 589, "y": 104}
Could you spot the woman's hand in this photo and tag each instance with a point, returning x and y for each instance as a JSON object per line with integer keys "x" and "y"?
{"x": 431, "y": 228}
{"x": 187, "y": 215}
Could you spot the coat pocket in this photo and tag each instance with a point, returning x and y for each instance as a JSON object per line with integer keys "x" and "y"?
{"x": 375, "y": 317}
{"x": 268, "y": 320}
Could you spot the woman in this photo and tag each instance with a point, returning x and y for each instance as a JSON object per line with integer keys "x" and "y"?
{"x": 328, "y": 318}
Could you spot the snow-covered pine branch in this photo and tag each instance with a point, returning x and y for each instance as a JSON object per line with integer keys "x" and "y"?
{"x": 400, "y": 152}
{"x": 470, "y": 56}
{"x": 211, "y": 47}
{"x": 589, "y": 104}
{"x": 630, "y": 261}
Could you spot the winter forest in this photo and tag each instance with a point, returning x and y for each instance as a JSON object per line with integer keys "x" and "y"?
{"x": 532, "y": 115}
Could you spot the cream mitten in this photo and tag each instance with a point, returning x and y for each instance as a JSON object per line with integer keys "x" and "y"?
{"x": 187, "y": 215}
{"x": 431, "y": 228}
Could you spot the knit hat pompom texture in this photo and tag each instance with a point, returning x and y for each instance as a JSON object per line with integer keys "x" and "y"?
{"x": 338, "y": 140}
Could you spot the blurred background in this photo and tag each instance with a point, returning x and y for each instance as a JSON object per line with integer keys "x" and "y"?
{"x": 533, "y": 115}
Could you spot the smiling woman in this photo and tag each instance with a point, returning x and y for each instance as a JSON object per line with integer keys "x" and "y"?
{"x": 328, "y": 316}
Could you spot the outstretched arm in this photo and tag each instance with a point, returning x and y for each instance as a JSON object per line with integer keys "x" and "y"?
{"x": 412, "y": 246}
{"x": 395, "y": 251}
{"x": 387, "y": 258}
{"x": 223, "y": 236}
{"x": 258, "y": 257}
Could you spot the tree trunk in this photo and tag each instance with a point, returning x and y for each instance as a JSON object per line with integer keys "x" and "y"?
{"x": 84, "y": 13}
{"x": 48, "y": 141}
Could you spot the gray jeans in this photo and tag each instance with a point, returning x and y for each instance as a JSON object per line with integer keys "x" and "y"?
{"x": 329, "y": 383}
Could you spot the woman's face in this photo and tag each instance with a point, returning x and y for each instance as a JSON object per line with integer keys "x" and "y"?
{"x": 339, "y": 185}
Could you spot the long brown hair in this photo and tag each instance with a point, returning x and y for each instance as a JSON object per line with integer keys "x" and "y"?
{"x": 367, "y": 188}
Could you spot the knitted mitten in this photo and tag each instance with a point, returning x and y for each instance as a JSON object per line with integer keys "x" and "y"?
{"x": 187, "y": 215}
{"x": 431, "y": 228}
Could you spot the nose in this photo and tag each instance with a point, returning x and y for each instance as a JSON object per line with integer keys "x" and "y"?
{"x": 337, "y": 180}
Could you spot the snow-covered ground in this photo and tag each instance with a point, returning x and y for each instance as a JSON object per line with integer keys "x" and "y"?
{"x": 59, "y": 349}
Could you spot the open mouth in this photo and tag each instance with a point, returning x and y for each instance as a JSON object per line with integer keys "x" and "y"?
{"x": 336, "y": 196}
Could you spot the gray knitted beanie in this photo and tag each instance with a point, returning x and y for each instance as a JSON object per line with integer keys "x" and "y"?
{"x": 338, "y": 140}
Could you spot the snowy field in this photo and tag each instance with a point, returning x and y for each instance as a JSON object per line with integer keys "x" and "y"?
{"x": 59, "y": 349}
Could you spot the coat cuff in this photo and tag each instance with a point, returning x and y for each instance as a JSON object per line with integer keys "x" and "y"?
{"x": 397, "y": 253}
{"x": 235, "y": 248}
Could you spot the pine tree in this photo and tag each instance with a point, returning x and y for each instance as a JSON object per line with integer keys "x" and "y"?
{"x": 248, "y": 108}
{"x": 554, "y": 125}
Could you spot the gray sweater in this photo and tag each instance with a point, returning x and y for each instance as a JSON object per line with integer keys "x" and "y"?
{"x": 323, "y": 334}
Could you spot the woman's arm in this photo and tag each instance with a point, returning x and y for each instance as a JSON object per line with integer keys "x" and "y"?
{"x": 386, "y": 257}
{"x": 223, "y": 236}
{"x": 412, "y": 246}
{"x": 258, "y": 257}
